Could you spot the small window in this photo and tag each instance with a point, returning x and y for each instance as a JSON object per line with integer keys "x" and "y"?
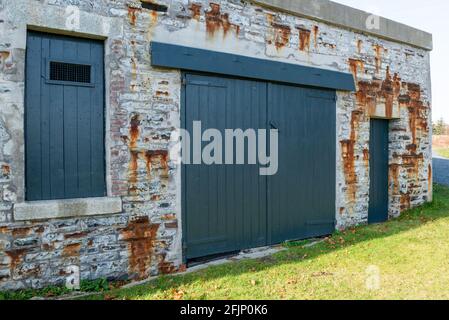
{"x": 70, "y": 72}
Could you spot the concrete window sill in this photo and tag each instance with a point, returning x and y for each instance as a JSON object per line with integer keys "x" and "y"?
{"x": 57, "y": 209}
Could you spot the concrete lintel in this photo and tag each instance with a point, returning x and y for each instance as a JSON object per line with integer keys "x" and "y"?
{"x": 56, "y": 209}
{"x": 351, "y": 18}
{"x": 70, "y": 20}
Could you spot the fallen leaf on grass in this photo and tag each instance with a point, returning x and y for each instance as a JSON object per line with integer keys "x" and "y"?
{"x": 178, "y": 294}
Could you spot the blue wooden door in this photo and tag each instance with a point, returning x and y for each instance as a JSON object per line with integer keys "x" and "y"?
{"x": 64, "y": 129}
{"x": 301, "y": 196}
{"x": 378, "y": 200}
{"x": 224, "y": 205}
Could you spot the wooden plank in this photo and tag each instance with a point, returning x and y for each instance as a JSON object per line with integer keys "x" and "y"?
{"x": 33, "y": 118}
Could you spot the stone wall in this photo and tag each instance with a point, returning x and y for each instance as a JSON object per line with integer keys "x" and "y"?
{"x": 143, "y": 103}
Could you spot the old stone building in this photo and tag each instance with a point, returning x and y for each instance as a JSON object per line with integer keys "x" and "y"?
{"x": 93, "y": 184}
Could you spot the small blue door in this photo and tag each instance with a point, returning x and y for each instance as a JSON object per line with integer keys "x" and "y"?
{"x": 378, "y": 201}
{"x": 64, "y": 118}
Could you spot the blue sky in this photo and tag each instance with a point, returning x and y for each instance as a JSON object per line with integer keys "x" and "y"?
{"x": 431, "y": 16}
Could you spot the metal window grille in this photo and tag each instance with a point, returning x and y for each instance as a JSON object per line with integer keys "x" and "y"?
{"x": 70, "y": 72}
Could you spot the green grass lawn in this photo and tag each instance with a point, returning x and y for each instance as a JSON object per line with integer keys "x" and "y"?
{"x": 444, "y": 152}
{"x": 411, "y": 254}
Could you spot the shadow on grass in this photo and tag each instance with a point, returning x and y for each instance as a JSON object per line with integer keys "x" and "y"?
{"x": 296, "y": 252}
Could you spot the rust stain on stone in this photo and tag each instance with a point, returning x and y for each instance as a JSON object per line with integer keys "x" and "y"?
{"x": 356, "y": 67}
{"x": 390, "y": 90}
{"x": 160, "y": 93}
{"x": 316, "y": 30}
{"x": 21, "y": 232}
{"x": 134, "y": 131}
{"x": 378, "y": 58}
{"x": 132, "y": 15}
{"x": 416, "y": 109}
{"x": 412, "y": 148}
{"x": 366, "y": 157}
{"x": 359, "y": 46}
{"x": 412, "y": 162}
{"x": 405, "y": 202}
{"x": 347, "y": 147}
{"x": 71, "y": 250}
{"x": 161, "y": 154}
{"x": 172, "y": 225}
{"x": 48, "y": 246}
{"x": 32, "y": 272}
{"x": 356, "y": 116}
{"x": 154, "y": 17}
{"x": 76, "y": 235}
{"x": 154, "y": 158}
{"x": 133, "y": 166}
{"x": 152, "y": 25}
{"x": 304, "y": 39}
{"x": 281, "y": 35}
{"x": 371, "y": 94}
{"x": 349, "y": 157}
{"x": 4, "y": 55}
{"x": 6, "y": 170}
{"x": 16, "y": 257}
{"x": 394, "y": 177}
{"x": 140, "y": 235}
{"x": 215, "y": 20}
{"x": 125, "y": 139}
{"x": 166, "y": 267}
{"x": 196, "y": 11}
{"x": 168, "y": 217}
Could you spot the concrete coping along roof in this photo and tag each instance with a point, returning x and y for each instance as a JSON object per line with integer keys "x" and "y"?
{"x": 355, "y": 19}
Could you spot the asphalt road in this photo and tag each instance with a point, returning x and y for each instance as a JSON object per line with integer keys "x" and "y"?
{"x": 441, "y": 170}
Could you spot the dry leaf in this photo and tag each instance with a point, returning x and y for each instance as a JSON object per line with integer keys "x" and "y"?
{"x": 178, "y": 294}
